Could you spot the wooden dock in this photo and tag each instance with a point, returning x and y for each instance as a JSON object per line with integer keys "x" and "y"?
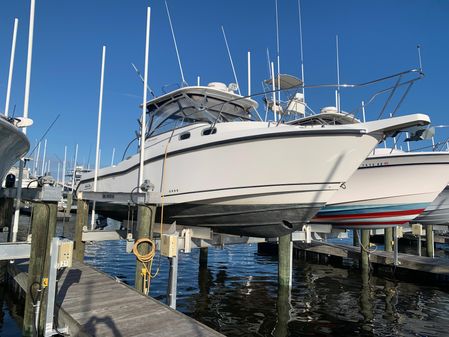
{"x": 409, "y": 262}
{"x": 92, "y": 303}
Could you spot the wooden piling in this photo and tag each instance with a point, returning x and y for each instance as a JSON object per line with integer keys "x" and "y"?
{"x": 6, "y": 214}
{"x": 430, "y": 241}
{"x": 82, "y": 215}
{"x": 145, "y": 220}
{"x": 43, "y": 230}
{"x": 285, "y": 248}
{"x": 203, "y": 257}
{"x": 355, "y": 238}
{"x": 388, "y": 239}
{"x": 364, "y": 250}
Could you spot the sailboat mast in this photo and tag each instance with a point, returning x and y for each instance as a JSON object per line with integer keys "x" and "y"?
{"x": 43, "y": 157}
{"x": 36, "y": 161}
{"x": 74, "y": 168}
{"x": 64, "y": 166}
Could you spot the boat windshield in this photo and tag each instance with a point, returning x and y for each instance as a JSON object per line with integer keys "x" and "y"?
{"x": 190, "y": 105}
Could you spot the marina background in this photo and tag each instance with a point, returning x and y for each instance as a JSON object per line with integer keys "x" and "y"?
{"x": 376, "y": 38}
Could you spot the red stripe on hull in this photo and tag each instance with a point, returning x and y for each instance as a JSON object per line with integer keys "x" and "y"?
{"x": 351, "y": 224}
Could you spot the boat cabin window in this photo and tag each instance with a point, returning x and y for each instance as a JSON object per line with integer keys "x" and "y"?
{"x": 185, "y": 135}
{"x": 209, "y": 131}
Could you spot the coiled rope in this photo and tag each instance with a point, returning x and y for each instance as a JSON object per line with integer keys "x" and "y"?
{"x": 146, "y": 260}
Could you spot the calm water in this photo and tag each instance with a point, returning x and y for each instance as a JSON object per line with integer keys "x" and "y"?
{"x": 238, "y": 295}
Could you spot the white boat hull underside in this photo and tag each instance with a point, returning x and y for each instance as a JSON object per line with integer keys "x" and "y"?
{"x": 13, "y": 145}
{"x": 437, "y": 213}
{"x": 388, "y": 190}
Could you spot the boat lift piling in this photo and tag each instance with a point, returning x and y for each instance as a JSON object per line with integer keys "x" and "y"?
{"x": 145, "y": 221}
{"x": 355, "y": 240}
{"x": 43, "y": 230}
{"x": 203, "y": 257}
{"x": 285, "y": 253}
{"x": 388, "y": 239}
{"x": 430, "y": 241}
{"x": 364, "y": 246}
{"x": 82, "y": 215}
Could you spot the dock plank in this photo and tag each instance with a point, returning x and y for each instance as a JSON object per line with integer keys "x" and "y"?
{"x": 406, "y": 261}
{"x": 92, "y": 303}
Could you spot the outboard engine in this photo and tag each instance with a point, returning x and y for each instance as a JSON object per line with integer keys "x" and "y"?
{"x": 10, "y": 180}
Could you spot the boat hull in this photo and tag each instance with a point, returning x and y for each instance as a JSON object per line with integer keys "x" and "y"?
{"x": 246, "y": 181}
{"x": 387, "y": 190}
{"x": 437, "y": 213}
{"x": 13, "y": 145}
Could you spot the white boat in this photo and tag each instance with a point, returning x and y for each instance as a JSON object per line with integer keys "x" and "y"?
{"x": 390, "y": 188}
{"x": 13, "y": 144}
{"x": 217, "y": 168}
{"x": 437, "y": 213}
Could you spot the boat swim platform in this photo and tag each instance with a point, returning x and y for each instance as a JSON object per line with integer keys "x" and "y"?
{"x": 407, "y": 262}
{"x": 92, "y": 303}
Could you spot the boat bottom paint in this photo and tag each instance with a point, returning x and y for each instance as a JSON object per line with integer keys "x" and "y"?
{"x": 244, "y": 220}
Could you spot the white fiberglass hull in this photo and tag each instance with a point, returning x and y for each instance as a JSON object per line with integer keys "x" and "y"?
{"x": 437, "y": 213}
{"x": 13, "y": 145}
{"x": 388, "y": 190}
{"x": 247, "y": 178}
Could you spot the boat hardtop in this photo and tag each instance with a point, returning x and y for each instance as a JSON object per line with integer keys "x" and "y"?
{"x": 213, "y": 103}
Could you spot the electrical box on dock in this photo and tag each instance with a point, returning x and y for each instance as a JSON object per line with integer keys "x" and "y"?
{"x": 169, "y": 245}
{"x": 65, "y": 253}
{"x": 417, "y": 229}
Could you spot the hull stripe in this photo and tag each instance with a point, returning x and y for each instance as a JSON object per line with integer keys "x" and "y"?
{"x": 369, "y": 215}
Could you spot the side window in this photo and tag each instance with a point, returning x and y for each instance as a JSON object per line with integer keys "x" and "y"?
{"x": 185, "y": 135}
{"x": 209, "y": 131}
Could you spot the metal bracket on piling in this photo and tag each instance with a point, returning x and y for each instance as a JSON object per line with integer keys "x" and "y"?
{"x": 46, "y": 193}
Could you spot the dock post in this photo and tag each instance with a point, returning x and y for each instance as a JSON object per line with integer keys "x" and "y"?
{"x": 43, "y": 230}
{"x": 145, "y": 220}
{"x": 285, "y": 252}
{"x": 388, "y": 239}
{"x": 419, "y": 244}
{"x": 364, "y": 249}
{"x": 355, "y": 238}
{"x": 430, "y": 241}
{"x": 68, "y": 208}
{"x": 396, "y": 246}
{"x": 172, "y": 282}
{"x": 203, "y": 257}
{"x": 82, "y": 215}
{"x": 6, "y": 215}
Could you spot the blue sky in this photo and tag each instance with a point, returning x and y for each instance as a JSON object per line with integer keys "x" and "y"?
{"x": 377, "y": 38}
